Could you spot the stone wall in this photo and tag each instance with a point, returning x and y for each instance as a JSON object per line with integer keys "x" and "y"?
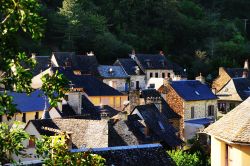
{"x": 140, "y": 78}
{"x": 176, "y": 103}
{"x": 200, "y": 108}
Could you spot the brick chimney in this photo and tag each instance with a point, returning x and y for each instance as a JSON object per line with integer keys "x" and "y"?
{"x": 134, "y": 99}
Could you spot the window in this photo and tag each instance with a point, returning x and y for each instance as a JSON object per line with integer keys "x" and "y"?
{"x": 222, "y": 107}
{"x": 24, "y": 118}
{"x": 210, "y": 110}
{"x": 151, "y": 75}
{"x": 32, "y": 141}
{"x": 37, "y": 115}
{"x": 152, "y": 86}
{"x": 137, "y": 85}
{"x": 1, "y": 118}
{"x": 168, "y": 75}
{"x": 192, "y": 112}
{"x": 231, "y": 106}
{"x": 163, "y": 75}
{"x": 156, "y": 75}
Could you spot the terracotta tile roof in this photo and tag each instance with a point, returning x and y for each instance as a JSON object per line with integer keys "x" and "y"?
{"x": 234, "y": 126}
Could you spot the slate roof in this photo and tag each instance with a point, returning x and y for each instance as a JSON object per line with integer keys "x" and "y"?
{"x": 159, "y": 124}
{"x": 140, "y": 155}
{"x": 236, "y": 72}
{"x": 242, "y": 86}
{"x": 129, "y": 65}
{"x": 192, "y": 90}
{"x": 202, "y": 121}
{"x": 42, "y": 64}
{"x": 85, "y": 63}
{"x": 166, "y": 110}
{"x": 107, "y": 71}
{"x": 29, "y": 103}
{"x": 157, "y": 61}
{"x": 90, "y": 84}
{"x": 234, "y": 126}
{"x": 85, "y": 133}
{"x": 120, "y": 134}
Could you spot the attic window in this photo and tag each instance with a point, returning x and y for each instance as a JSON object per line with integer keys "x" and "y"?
{"x": 148, "y": 62}
{"x": 197, "y": 93}
{"x": 111, "y": 71}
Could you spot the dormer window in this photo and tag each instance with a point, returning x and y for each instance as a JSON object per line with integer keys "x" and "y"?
{"x": 67, "y": 63}
{"x": 111, "y": 71}
{"x": 148, "y": 62}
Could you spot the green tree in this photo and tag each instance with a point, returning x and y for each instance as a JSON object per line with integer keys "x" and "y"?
{"x": 55, "y": 151}
{"x": 182, "y": 158}
{"x": 11, "y": 142}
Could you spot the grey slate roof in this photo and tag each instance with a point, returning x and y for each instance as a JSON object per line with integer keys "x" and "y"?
{"x": 156, "y": 61}
{"x": 42, "y": 64}
{"x": 90, "y": 84}
{"x": 140, "y": 155}
{"x": 234, "y": 126}
{"x": 236, "y": 72}
{"x": 192, "y": 90}
{"x": 107, "y": 71}
{"x": 159, "y": 124}
{"x": 86, "y": 64}
{"x": 129, "y": 65}
{"x": 166, "y": 110}
{"x": 85, "y": 133}
{"x": 29, "y": 103}
{"x": 242, "y": 86}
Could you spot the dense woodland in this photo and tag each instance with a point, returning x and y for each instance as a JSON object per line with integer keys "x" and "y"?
{"x": 112, "y": 28}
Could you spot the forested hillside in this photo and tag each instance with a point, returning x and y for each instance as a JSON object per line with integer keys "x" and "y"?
{"x": 112, "y": 28}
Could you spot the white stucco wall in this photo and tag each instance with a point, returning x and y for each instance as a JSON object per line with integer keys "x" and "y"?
{"x": 119, "y": 85}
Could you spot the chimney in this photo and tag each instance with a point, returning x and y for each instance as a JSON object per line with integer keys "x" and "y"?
{"x": 245, "y": 74}
{"x": 33, "y": 55}
{"x": 134, "y": 99}
{"x": 132, "y": 55}
{"x": 75, "y": 101}
{"x": 246, "y": 65}
{"x": 200, "y": 78}
{"x": 91, "y": 53}
{"x": 161, "y": 53}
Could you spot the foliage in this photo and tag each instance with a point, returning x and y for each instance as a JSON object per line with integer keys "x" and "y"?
{"x": 182, "y": 158}
{"x": 11, "y": 141}
{"x": 55, "y": 151}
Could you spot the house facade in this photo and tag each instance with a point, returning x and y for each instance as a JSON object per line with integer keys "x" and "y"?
{"x": 190, "y": 99}
{"x": 30, "y": 106}
{"x": 136, "y": 75}
{"x": 232, "y": 94}
{"x": 230, "y": 143}
{"x": 114, "y": 76}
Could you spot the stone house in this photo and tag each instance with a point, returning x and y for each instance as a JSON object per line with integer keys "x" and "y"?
{"x": 157, "y": 66}
{"x": 230, "y": 137}
{"x": 190, "y": 99}
{"x": 232, "y": 94}
{"x": 226, "y": 74}
{"x": 136, "y": 75}
{"x": 30, "y": 106}
{"x": 80, "y": 64}
{"x": 114, "y": 76}
{"x": 96, "y": 91}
